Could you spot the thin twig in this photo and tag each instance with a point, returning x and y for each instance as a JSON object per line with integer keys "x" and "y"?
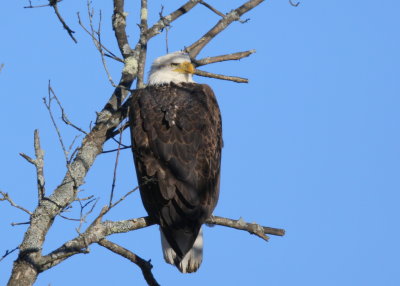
{"x": 124, "y": 197}
{"x": 92, "y": 35}
{"x": 68, "y": 218}
{"x": 96, "y": 38}
{"x": 220, "y": 76}
{"x": 84, "y": 216}
{"x": 116, "y": 132}
{"x": 8, "y": 252}
{"x": 144, "y": 265}
{"x": 64, "y": 116}
{"x": 166, "y": 29}
{"x": 72, "y": 145}
{"x": 102, "y": 54}
{"x": 1, "y": 67}
{"x": 116, "y": 150}
{"x": 53, "y": 3}
{"x": 7, "y": 198}
{"x": 19, "y": 223}
{"x": 115, "y": 169}
{"x": 48, "y": 106}
{"x": 85, "y": 199}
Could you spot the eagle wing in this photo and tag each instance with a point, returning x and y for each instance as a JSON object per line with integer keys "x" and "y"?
{"x": 177, "y": 139}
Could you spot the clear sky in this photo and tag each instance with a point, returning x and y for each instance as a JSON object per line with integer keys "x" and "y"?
{"x": 312, "y": 143}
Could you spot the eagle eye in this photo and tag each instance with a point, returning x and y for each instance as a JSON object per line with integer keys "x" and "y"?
{"x": 174, "y": 64}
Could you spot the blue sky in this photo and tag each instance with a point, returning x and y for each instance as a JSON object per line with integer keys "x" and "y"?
{"x": 311, "y": 143}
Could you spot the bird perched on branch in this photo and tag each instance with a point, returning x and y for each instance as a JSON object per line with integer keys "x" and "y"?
{"x": 176, "y": 142}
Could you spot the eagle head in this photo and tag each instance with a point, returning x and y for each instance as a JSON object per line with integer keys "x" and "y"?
{"x": 174, "y": 67}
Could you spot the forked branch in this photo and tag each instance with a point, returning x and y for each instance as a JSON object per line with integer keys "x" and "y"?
{"x": 194, "y": 49}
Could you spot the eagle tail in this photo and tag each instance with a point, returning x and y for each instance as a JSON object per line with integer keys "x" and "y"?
{"x": 192, "y": 259}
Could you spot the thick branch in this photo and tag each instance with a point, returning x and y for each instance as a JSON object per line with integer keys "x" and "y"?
{"x": 144, "y": 265}
{"x": 95, "y": 232}
{"x": 194, "y": 49}
{"x": 143, "y": 44}
{"x": 119, "y": 26}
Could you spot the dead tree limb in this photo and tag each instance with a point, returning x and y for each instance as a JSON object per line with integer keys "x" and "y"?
{"x": 194, "y": 49}
{"x": 7, "y": 198}
{"x": 144, "y": 265}
{"x": 217, "y": 59}
{"x": 220, "y": 76}
{"x": 53, "y": 3}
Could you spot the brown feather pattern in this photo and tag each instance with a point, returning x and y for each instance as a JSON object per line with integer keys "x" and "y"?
{"x": 176, "y": 141}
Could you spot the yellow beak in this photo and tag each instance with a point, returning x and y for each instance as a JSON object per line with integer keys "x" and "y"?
{"x": 185, "y": 67}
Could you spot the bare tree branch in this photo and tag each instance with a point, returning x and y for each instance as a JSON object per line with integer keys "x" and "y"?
{"x": 144, "y": 265}
{"x": 93, "y": 36}
{"x": 64, "y": 116}
{"x": 115, "y": 169}
{"x": 116, "y": 150}
{"x": 96, "y": 38}
{"x": 1, "y": 67}
{"x": 53, "y": 3}
{"x": 99, "y": 230}
{"x": 8, "y": 252}
{"x": 19, "y": 223}
{"x": 194, "y": 49}
{"x": 39, "y": 164}
{"x": 220, "y": 76}
{"x": 142, "y": 43}
{"x": 124, "y": 197}
{"x": 167, "y": 20}
{"x": 212, "y": 9}
{"x": 240, "y": 224}
{"x": 119, "y": 26}
{"x": 7, "y": 198}
{"x": 229, "y": 57}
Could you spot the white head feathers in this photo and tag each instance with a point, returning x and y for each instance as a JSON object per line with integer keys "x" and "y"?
{"x": 174, "y": 67}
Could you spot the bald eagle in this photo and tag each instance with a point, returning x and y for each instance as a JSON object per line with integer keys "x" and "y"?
{"x": 176, "y": 137}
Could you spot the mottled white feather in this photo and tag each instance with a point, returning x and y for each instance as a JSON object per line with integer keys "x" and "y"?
{"x": 191, "y": 261}
{"x": 163, "y": 71}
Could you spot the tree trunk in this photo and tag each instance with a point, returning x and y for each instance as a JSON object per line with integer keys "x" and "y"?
{"x": 23, "y": 274}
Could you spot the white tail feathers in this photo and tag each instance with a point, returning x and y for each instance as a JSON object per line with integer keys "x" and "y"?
{"x": 191, "y": 261}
